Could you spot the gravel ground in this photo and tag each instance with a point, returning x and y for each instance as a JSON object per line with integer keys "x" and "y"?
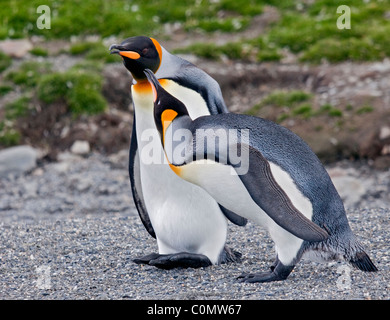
{"x": 69, "y": 230}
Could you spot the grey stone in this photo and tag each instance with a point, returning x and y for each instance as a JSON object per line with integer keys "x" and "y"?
{"x": 80, "y": 147}
{"x": 17, "y": 160}
{"x": 16, "y": 48}
{"x": 350, "y": 189}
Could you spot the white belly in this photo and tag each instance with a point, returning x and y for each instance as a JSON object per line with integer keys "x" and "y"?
{"x": 184, "y": 216}
{"x": 231, "y": 193}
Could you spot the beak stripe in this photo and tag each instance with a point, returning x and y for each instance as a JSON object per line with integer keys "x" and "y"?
{"x": 130, "y": 54}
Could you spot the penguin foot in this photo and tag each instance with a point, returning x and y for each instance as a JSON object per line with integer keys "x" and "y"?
{"x": 229, "y": 255}
{"x": 176, "y": 260}
{"x": 146, "y": 259}
{"x": 278, "y": 272}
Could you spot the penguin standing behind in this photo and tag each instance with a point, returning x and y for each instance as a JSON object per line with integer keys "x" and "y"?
{"x": 278, "y": 183}
{"x": 189, "y": 225}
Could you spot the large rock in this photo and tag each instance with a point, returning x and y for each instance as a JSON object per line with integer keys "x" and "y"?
{"x": 16, "y": 48}
{"x": 17, "y": 160}
{"x": 80, "y": 147}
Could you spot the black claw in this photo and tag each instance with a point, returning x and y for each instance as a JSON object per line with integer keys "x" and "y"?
{"x": 278, "y": 272}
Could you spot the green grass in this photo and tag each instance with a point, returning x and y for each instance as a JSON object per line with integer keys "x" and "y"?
{"x": 14, "y": 110}
{"x": 286, "y": 103}
{"x": 365, "y": 109}
{"x": 78, "y": 88}
{"x": 28, "y": 74}
{"x": 331, "y": 111}
{"x": 39, "y": 52}
{"x": 297, "y": 104}
{"x": 309, "y": 29}
{"x": 17, "y": 108}
{"x": 304, "y": 110}
{"x": 123, "y": 17}
{"x": 340, "y": 50}
{"x": 282, "y": 98}
{"x": 93, "y": 51}
{"x": 8, "y": 136}
{"x": 314, "y": 33}
{"x": 5, "y": 61}
{"x": 255, "y": 49}
{"x": 4, "y": 89}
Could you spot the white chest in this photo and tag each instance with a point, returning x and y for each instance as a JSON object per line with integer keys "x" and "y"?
{"x": 184, "y": 216}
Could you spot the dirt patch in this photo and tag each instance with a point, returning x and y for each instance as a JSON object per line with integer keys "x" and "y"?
{"x": 54, "y": 130}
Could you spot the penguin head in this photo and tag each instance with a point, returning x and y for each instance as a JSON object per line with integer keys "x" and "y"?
{"x": 166, "y": 107}
{"x": 139, "y": 53}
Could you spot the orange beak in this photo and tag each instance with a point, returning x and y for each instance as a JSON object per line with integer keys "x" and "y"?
{"x": 130, "y": 54}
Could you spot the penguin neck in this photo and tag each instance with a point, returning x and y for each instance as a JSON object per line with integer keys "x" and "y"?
{"x": 143, "y": 87}
{"x": 170, "y": 64}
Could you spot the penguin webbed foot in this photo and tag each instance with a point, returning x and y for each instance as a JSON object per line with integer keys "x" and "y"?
{"x": 146, "y": 259}
{"x": 278, "y": 272}
{"x": 176, "y": 260}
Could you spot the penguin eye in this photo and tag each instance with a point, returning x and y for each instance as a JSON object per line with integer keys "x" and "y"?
{"x": 145, "y": 51}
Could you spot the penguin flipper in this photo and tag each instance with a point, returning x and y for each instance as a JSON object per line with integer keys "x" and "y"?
{"x": 196, "y": 79}
{"x": 135, "y": 181}
{"x": 268, "y": 195}
{"x": 233, "y": 217}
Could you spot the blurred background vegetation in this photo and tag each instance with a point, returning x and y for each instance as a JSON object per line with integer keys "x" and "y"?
{"x": 82, "y": 30}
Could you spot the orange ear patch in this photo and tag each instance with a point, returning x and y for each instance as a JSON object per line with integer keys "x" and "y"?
{"x": 166, "y": 118}
{"x": 168, "y": 115}
{"x": 158, "y": 48}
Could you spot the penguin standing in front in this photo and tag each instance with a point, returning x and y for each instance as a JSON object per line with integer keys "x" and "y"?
{"x": 278, "y": 183}
{"x": 189, "y": 225}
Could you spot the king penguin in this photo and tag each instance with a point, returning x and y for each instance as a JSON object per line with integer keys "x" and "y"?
{"x": 278, "y": 183}
{"x": 189, "y": 225}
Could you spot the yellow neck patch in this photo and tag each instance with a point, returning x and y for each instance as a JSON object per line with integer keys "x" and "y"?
{"x": 166, "y": 118}
{"x": 175, "y": 169}
{"x": 168, "y": 115}
{"x": 144, "y": 87}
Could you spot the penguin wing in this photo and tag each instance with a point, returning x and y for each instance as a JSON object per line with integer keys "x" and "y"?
{"x": 233, "y": 217}
{"x": 196, "y": 79}
{"x": 268, "y": 195}
{"x": 135, "y": 181}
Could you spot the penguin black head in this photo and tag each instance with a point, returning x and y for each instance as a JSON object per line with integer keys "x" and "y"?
{"x": 139, "y": 53}
{"x": 166, "y": 107}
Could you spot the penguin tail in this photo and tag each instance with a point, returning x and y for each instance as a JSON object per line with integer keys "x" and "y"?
{"x": 362, "y": 261}
{"x": 229, "y": 255}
